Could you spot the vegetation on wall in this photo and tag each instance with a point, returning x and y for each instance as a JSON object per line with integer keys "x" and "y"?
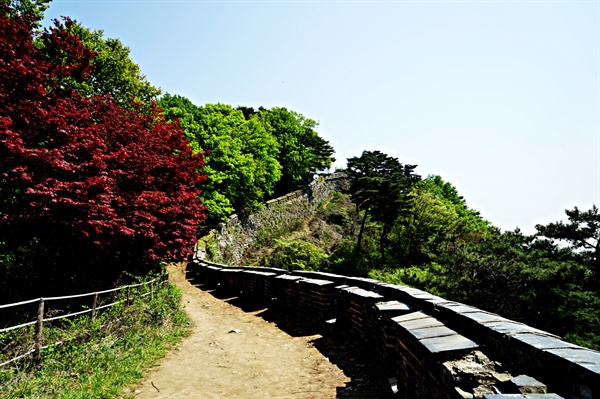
{"x": 435, "y": 242}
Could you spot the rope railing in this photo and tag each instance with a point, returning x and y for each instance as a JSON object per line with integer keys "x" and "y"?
{"x": 39, "y": 323}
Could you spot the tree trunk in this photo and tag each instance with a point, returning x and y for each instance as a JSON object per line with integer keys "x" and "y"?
{"x": 360, "y": 232}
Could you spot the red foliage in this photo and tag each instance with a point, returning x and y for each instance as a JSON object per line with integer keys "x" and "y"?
{"x": 83, "y": 173}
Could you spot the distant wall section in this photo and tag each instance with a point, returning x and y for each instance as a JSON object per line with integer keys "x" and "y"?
{"x": 230, "y": 240}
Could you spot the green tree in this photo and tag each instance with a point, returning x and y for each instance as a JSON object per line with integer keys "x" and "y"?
{"x": 114, "y": 73}
{"x": 241, "y": 156}
{"x": 31, "y": 10}
{"x": 581, "y": 234}
{"x": 302, "y": 151}
{"x": 438, "y": 219}
{"x": 379, "y": 186}
{"x": 435, "y": 185}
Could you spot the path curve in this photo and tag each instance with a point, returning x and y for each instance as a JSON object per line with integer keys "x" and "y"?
{"x": 235, "y": 354}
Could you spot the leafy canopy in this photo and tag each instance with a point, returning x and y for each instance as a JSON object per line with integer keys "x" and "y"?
{"x": 302, "y": 151}
{"x": 241, "y": 156}
{"x": 581, "y": 233}
{"x": 113, "y": 71}
{"x": 379, "y": 185}
{"x": 94, "y": 188}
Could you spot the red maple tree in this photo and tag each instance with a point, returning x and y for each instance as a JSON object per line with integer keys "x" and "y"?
{"x": 100, "y": 187}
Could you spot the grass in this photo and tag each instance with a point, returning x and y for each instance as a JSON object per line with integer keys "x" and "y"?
{"x": 105, "y": 358}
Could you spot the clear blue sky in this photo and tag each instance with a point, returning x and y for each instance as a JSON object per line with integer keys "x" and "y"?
{"x": 500, "y": 98}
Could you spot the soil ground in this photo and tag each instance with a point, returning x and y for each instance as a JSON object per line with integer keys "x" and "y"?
{"x": 240, "y": 352}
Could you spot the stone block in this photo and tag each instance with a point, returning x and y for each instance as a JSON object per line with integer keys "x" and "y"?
{"x": 392, "y": 307}
{"x": 585, "y": 358}
{"x": 526, "y": 384}
{"x": 452, "y": 343}
{"x": 542, "y": 341}
{"x": 484, "y": 317}
{"x": 432, "y": 332}
{"x": 410, "y": 316}
{"x": 420, "y": 323}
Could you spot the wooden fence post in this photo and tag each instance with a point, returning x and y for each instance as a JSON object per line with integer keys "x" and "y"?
{"x": 37, "y": 354}
{"x": 94, "y": 304}
{"x": 152, "y": 289}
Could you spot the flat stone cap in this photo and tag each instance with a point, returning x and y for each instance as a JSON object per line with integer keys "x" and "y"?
{"x": 459, "y": 307}
{"x": 510, "y": 327}
{"x": 432, "y": 334}
{"x": 425, "y": 322}
{"x": 266, "y": 274}
{"x": 528, "y": 385}
{"x": 315, "y": 281}
{"x": 449, "y": 343}
{"x": 526, "y": 396}
{"x": 410, "y": 316}
{"x": 583, "y": 357}
{"x": 360, "y": 292}
{"x": 392, "y": 306}
{"x": 542, "y": 341}
{"x": 504, "y": 396}
{"x": 289, "y": 277}
{"x": 484, "y": 317}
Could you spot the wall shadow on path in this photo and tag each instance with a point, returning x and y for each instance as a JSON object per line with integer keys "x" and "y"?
{"x": 358, "y": 362}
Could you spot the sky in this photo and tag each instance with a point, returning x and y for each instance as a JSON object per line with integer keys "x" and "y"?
{"x": 499, "y": 98}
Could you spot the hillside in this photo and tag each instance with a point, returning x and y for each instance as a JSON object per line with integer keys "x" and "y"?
{"x": 310, "y": 243}
{"x": 445, "y": 248}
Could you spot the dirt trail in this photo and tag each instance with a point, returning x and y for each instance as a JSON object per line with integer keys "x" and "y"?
{"x": 232, "y": 353}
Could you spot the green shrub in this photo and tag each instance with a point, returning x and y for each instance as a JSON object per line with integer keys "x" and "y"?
{"x": 297, "y": 255}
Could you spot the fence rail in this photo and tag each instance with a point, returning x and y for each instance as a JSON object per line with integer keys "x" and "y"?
{"x": 39, "y": 322}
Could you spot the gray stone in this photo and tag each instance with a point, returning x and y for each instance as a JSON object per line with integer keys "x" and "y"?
{"x": 448, "y": 344}
{"x": 392, "y": 306}
{"x": 421, "y": 323}
{"x": 527, "y": 384}
{"x": 288, "y": 277}
{"x": 315, "y": 281}
{"x": 432, "y": 332}
{"x": 542, "y": 341}
{"x": 484, "y": 317}
{"x": 509, "y": 327}
{"x": 437, "y": 300}
{"x": 410, "y": 316}
{"x": 586, "y": 358}
{"x": 460, "y": 308}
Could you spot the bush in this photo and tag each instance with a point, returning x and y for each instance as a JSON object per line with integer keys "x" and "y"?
{"x": 297, "y": 255}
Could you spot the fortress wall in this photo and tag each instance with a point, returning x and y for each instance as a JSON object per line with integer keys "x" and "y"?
{"x": 430, "y": 347}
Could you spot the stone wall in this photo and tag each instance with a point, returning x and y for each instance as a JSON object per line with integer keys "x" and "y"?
{"x": 432, "y": 348}
{"x": 240, "y": 231}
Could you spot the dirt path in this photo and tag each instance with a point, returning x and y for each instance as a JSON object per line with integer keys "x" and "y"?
{"x": 236, "y": 354}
